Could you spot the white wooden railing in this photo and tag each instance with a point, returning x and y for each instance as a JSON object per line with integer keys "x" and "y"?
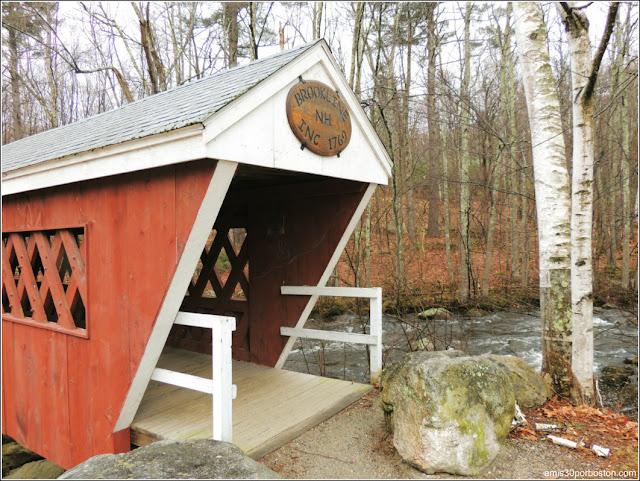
{"x": 220, "y": 386}
{"x": 374, "y": 338}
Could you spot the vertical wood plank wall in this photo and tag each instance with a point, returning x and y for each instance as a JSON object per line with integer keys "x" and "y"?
{"x": 315, "y": 217}
{"x": 62, "y": 394}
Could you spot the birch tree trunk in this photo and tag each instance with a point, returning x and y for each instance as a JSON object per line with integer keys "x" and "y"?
{"x": 583, "y": 78}
{"x": 553, "y": 203}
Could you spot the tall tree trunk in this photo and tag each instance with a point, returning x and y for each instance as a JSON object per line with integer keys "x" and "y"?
{"x": 488, "y": 260}
{"x": 317, "y": 19}
{"x": 433, "y": 219}
{"x": 406, "y": 144}
{"x": 612, "y": 200}
{"x": 524, "y": 279}
{"x": 583, "y": 79}
{"x": 625, "y": 159}
{"x": 355, "y": 46}
{"x": 395, "y": 150}
{"x": 51, "y": 67}
{"x": 253, "y": 50}
{"x": 367, "y": 246}
{"x": 155, "y": 67}
{"x": 230, "y": 21}
{"x": 627, "y": 216}
{"x": 512, "y": 135}
{"x": 16, "y": 107}
{"x": 445, "y": 193}
{"x": 553, "y": 203}
{"x": 465, "y": 161}
{"x": 281, "y": 36}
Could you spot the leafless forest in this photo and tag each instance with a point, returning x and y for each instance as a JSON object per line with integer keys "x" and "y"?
{"x": 441, "y": 84}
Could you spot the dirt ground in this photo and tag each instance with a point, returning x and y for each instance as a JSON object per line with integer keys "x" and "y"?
{"x": 354, "y": 444}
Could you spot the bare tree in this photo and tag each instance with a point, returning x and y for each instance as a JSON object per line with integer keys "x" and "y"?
{"x": 552, "y": 190}
{"x": 435, "y": 143}
{"x": 465, "y": 162}
{"x": 584, "y": 73}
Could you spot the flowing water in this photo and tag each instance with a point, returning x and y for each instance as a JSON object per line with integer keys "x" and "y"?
{"x": 504, "y": 333}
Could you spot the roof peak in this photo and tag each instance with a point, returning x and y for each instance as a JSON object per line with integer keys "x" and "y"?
{"x": 180, "y": 106}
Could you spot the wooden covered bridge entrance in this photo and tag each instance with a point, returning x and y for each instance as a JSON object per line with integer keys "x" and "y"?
{"x": 181, "y": 241}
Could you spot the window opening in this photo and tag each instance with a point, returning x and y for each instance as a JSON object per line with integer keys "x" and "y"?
{"x": 223, "y": 269}
{"x": 44, "y": 278}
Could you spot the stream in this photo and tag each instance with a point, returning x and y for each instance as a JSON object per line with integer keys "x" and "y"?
{"x": 504, "y": 332}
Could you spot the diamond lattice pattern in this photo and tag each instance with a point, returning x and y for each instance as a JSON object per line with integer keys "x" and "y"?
{"x": 223, "y": 268}
{"x": 44, "y": 277}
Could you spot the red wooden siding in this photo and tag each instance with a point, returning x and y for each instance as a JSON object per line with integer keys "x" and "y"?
{"x": 214, "y": 292}
{"x": 315, "y": 217}
{"x": 62, "y": 394}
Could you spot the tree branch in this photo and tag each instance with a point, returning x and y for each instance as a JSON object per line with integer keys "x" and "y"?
{"x": 611, "y": 21}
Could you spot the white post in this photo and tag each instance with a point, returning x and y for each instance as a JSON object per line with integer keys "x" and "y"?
{"x": 222, "y": 385}
{"x": 375, "y": 320}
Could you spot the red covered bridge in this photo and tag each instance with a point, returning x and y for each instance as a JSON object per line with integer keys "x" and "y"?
{"x": 112, "y": 231}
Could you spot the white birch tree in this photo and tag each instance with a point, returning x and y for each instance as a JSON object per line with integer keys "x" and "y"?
{"x": 584, "y": 73}
{"x": 551, "y": 185}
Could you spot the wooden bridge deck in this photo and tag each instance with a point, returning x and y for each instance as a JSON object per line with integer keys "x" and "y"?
{"x": 273, "y": 406}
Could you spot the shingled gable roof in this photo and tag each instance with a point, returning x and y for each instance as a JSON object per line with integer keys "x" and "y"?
{"x": 173, "y": 109}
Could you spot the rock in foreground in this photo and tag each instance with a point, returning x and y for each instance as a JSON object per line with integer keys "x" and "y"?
{"x": 14, "y": 455}
{"x": 448, "y": 412}
{"x": 528, "y": 386}
{"x": 42, "y": 469}
{"x": 193, "y": 459}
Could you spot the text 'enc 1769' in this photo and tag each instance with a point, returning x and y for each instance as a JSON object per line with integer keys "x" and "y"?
{"x": 318, "y": 117}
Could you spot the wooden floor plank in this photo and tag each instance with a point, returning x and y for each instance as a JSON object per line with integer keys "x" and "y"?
{"x": 273, "y": 405}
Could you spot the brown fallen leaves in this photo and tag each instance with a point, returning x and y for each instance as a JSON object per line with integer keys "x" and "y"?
{"x": 588, "y": 425}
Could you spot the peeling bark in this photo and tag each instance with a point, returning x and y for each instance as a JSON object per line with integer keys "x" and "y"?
{"x": 583, "y": 77}
{"x": 553, "y": 203}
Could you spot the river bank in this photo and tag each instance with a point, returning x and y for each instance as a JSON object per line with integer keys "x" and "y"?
{"x": 511, "y": 332}
{"x": 354, "y": 444}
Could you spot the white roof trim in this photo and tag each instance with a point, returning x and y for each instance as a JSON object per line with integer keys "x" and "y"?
{"x": 233, "y": 112}
{"x": 158, "y": 150}
{"x": 191, "y": 142}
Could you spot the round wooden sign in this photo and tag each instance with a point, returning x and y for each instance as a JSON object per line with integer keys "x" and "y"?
{"x": 318, "y": 117}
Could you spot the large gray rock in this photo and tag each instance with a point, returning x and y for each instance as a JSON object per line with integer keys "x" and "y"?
{"x": 448, "y": 412}
{"x": 528, "y": 386}
{"x": 192, "y": 459}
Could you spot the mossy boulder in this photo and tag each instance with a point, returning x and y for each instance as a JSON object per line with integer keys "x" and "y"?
{"x": 448, "y": 412}
{"x": 616, "y": 377}
{"x": 15, "y": 455}
{"x": 191, "y": 459}
{"x": 42, "y": 469}
{"x": 529, "y": 388}
{"x": 435, "y": 313}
